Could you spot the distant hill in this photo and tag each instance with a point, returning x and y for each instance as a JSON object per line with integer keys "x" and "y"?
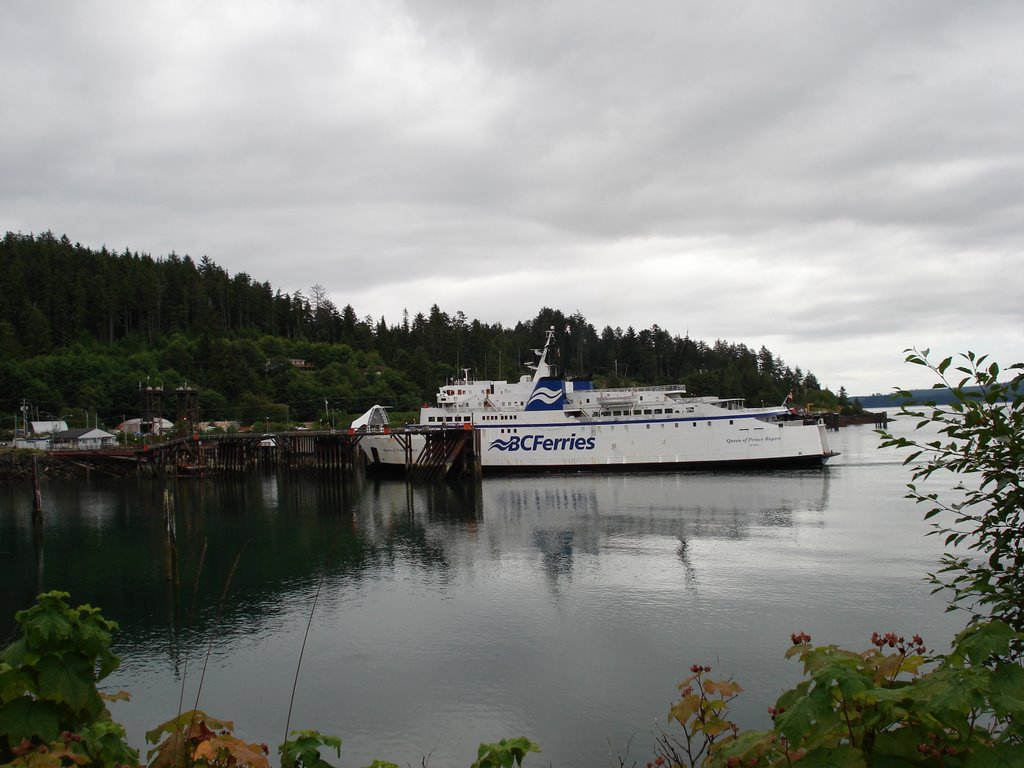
{"x": 943, "y": 396}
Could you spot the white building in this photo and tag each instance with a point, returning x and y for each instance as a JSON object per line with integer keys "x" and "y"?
{"x": 140, "y": 427}
{"x": 83, "y": 439}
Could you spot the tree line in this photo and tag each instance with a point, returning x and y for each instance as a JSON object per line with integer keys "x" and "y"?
{"x": 85, "y": 331}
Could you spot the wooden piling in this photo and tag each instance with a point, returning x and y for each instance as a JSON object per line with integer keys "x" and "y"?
{"x": 37, "y": 498}
{"x": 170, "y": 540}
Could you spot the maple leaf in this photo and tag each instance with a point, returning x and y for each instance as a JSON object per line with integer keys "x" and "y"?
{"x": 25, "y": 718}
{"x": 70, "y": 681}
{"x": 237, "y": 750}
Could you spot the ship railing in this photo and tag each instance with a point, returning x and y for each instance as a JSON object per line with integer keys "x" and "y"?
{"x": 627, "y": 394}
{"x": 620, "y": 391}
{"x": 417, "y": 429}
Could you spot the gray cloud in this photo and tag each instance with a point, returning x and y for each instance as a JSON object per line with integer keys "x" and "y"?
{"x": 835, "y": 180}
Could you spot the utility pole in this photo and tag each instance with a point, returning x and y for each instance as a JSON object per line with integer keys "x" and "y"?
{"x": 24, "y": 420}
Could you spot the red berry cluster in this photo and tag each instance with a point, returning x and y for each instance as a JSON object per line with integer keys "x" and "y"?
{"x": 697, "y": 669}
{"x": 933, "y": 749}
{"x": 773, "y": 711}
{"x": 801, "y": 638}
{"x": 890, "y": 639}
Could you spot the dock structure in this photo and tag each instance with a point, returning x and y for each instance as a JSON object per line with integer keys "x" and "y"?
{"x": 235, "y": 453}
{"x": 446, "y": 452}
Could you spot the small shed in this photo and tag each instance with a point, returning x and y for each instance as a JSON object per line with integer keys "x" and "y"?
{"x": 83, "y": 439}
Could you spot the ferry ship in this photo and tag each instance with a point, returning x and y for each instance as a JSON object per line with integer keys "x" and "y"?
{"x": 545, "y": 422}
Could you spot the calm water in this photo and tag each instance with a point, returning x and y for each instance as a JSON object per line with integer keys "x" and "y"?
{"x": 564, "y": 608}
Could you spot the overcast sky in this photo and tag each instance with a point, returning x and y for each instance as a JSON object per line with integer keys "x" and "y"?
{"x": 835, "y": 180}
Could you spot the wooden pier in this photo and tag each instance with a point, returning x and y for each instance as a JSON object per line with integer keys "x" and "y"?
{"x": 446, "y": 452}
{"x": 237, "y": 453}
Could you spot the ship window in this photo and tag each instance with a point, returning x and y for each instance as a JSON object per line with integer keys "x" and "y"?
{"x": 730, "y": 422}
{"x": 658, "y": 410}
{"x": 647, "y": 411}
{"x": 648, "y": 426}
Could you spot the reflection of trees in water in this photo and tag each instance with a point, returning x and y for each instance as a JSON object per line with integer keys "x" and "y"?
{"x": 289, "y": 531}
{"x": 104, "y": 542}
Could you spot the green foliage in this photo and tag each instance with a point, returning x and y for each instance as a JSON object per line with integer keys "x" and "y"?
{"x": 888, "y": 705}
{"x": 51, "y": 711}
{"x": 302, "y": 750}
{"x": 881, "y": 708}
{"x": 505, "y": 753}
{"x": 981, "y": 442}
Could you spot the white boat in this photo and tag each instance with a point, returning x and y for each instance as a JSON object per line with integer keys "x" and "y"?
{"x": 544, "y": 422}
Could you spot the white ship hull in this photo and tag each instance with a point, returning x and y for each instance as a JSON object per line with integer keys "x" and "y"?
{"x": 629, "y": 445}
{"x": 544, "y": 423}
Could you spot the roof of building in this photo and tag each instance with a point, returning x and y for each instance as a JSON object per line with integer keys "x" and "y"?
{"x": 48, "y": 427}
{"x": 80, "y": 433}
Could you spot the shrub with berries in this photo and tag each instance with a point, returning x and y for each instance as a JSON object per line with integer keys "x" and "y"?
{"x": 893, "y": 704}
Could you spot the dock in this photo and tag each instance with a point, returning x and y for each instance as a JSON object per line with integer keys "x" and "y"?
{"x": 241, "y": 452}
{"x": 446, "y": 452}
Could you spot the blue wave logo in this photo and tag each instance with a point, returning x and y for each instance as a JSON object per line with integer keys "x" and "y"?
{"x": 501, "y": 445}
{"x": 548, "y": 395}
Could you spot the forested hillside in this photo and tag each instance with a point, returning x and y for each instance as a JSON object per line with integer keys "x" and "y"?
{"x": 82, "y": 331}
